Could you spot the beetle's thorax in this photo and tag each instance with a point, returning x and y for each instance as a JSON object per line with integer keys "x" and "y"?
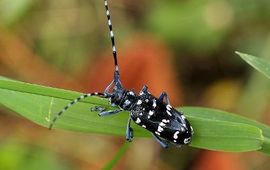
{"x": 123, "y": 98}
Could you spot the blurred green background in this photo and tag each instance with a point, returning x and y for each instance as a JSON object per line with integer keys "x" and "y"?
{"x": 61, "y": 43}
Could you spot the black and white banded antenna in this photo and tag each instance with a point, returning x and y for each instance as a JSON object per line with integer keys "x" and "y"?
{"x": 111, "y": 35}
{"x": 116, "y": 80}
{"x": 114, "y": 52}
{"x": 73, "y": 102}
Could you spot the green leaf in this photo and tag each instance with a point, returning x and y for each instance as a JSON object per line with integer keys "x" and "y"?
{"x": 117, "y": 157}
{"x": 39, "y": 104}
{"x": 218, "y": 115}
{"x": 259, "y": 64}
{"x": 213, "y": 129}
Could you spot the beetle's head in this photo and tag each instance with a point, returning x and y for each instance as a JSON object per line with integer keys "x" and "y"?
{"x": 116, "y": 96}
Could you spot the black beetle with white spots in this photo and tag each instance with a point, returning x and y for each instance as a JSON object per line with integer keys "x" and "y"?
{"x": 167, "y": 125}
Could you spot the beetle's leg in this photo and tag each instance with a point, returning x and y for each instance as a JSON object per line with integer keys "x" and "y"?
{"x": 97, "y": 109}
{"x": 144, "y": 90}
{"x": 110, "y": 112}
{"x": 162, "y": 96}
{"x": 162, "y": 142}
{"x": 129, "y": 130}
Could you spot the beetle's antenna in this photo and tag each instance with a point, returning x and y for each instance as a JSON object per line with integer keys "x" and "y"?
{"x": 112, "y": 37}
{"x": 73, "y": 103}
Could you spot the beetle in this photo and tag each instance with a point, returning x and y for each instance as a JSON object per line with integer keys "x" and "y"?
{"x": 167, "y": 125}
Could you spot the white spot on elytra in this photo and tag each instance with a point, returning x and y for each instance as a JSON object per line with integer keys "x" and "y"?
{"x": 140, "y": 114}
{"x": 182, "y": 129}
{"x": 168, "y": 112}
{"x": 168, "y": 107}
{"x": 187, "y": 140}
{"x": 143, "y": 126}
{"x": 154, "y": 103}
{"x": 184, "y": 125}
{"x": 127, "y": 102}
{"x": 141, "y": 93}
{"x": 162, "y": 124}
{"x": 151, "y": 112}
{"x": 157, "y": 133}
{"x": 131, "y": 93}
{"x": 146, "y": 100}
{"x": 183, "y": 117}
{"x": 174, "y": 141}
{"x": 139, "y": 102}
{"x": 175, "y": 136}
{"x": 165, "y": 120}
{"x": 160, "y": 129}
{"x": 138, "y": 120}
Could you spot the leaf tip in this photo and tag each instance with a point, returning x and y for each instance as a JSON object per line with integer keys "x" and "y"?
{"x": 237, "y": 52}
{"x": 240, "y": 54}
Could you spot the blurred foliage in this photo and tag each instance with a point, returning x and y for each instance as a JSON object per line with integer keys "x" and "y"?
{"x": 207, "y": 25}
{"x": 17, "y": 155}
{"x": 193, "y": 24}
{"x": 13, "y": 12}
{"x": 117, "y": 157}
